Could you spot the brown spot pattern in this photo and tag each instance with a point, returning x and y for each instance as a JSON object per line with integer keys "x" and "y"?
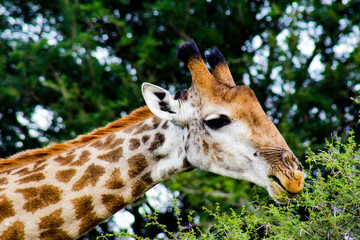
{"x": 22, "y": 172}
{"x": 83, "y": 158}
{"x": 39, "y": 163}
{"x": 25, "y": 170}
{"x": 158, "y": 141}
{"x": 216, "y": 147}
{"x": 51, "y": 234}
{"x": 145, "y": 138}
{"x": 6, "y": 208}
{"x": 84, "y": 210}
{"x": 32, "y": 178}
{"x": 108, "y": 140}
{"x": 91, "y": 176}
{"x": 112, "y": 156}
{"x": 65, "y": 175}
{"x": 115, "y": 181}
{"x": 52, "y": 220}
{"x": 143, "y": 128}
{"x": 109, "y": 143}
{"x": 156, "y": 121}
{"x": 134, "y": 144}
{"x": 165, "y": 125}
{"x": 113, "y": 203}
{"x": 15, "y": 231}
{"x": 97, "y": 144}
{"x": 3, "y": 181}
{"x": 140, "y": 186}
{"x": 130, "y": 129}
{"x": 40, "y": 197}
{"x": 88, "y": 223}
{"x": 137, "y": 164}
{"x": 38, "y": 166}
{"x": 19, "y": 160}
{"x": 206, "y": 147}
{"x": 116, "y": 143}
{"x": 65, "y": 160}
{"x": 83, "y": 205}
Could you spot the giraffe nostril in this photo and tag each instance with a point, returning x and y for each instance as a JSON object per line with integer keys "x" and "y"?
{"x": 288, "y": 158}
{"x": 299, "y": 167}
{"x": 291, "y": 161}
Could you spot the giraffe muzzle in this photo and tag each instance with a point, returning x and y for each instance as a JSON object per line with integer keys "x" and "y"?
{"x": 288, "y": 179}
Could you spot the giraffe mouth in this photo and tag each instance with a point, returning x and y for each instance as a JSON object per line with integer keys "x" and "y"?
{"x": 277, "y": 181}
{"x": 279, "y": 192}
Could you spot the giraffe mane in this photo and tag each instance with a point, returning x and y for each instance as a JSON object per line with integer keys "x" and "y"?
{"x": 35, "y": 155}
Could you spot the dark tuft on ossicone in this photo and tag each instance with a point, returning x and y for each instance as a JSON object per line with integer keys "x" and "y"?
{"x": 188, "y": 50}
{"x": 215, "y": 57}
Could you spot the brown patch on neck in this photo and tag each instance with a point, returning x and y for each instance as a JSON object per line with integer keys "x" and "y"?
{"x": 145, "y": 138}
{"x": 26, "y": 171}
{"x": 113, "y": 203}
{"x": 91, "y": 177}
{"x": 40, "y": 197}
{"x": 115, "y": 181}
{"x": 36, "y": 177}
{"x": 6, "y": 208}
{"x": 51, "y": 225}
{"x": 134, "y": 144}
{"x": 165, "y": 125}
{"x": 65, "y": 160}
{"x": 52, "y": 221}
{"x": 15, "y": 231}
{"x": 137, "y": 164}
{"x": 54, "y": 234}
{"x": 84, "y": 157}
{"x": 109, "y": 143}
{"x": 57, "y": 148}
{"x": 112, "y": 156}
{"x": 65, "y": 175}
{"x": 3, "y": 181}
{"x": 156, "y": 121}
{"x": 143, "y": 183}
{"x": 84, "y": 210}
{"x": 159, "y": 140}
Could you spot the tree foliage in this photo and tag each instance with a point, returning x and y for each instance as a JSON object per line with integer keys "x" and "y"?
{"x": 80, "y": 64}
{"x": 327, "y": 209}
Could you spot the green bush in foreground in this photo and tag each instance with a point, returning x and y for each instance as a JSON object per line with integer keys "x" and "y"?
{"x": 328, "y": 208}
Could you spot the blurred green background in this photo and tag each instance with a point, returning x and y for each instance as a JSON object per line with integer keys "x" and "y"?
{"x": 70, "y": 66}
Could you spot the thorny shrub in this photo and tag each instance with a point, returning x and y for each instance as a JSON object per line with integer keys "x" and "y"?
{"x": 328, "y": 208}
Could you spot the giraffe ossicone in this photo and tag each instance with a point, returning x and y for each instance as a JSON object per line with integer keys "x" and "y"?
{"x": 66, "y": 189}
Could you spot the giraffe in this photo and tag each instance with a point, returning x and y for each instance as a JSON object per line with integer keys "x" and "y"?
{"x": 66, "y": 189}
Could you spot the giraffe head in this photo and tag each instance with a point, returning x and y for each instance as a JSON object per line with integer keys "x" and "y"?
{"x": 225, "y": 128}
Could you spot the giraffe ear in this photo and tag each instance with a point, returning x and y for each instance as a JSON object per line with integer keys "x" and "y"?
{"x": 160, "y": 101}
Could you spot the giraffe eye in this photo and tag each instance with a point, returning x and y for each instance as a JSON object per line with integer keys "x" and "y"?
{"x": 216, "y": 123}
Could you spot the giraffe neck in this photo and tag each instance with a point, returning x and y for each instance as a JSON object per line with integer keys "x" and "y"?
{"x": 68, "y": 194}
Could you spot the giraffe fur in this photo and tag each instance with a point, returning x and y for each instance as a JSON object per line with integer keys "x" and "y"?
{"x": 64, "y": 190}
